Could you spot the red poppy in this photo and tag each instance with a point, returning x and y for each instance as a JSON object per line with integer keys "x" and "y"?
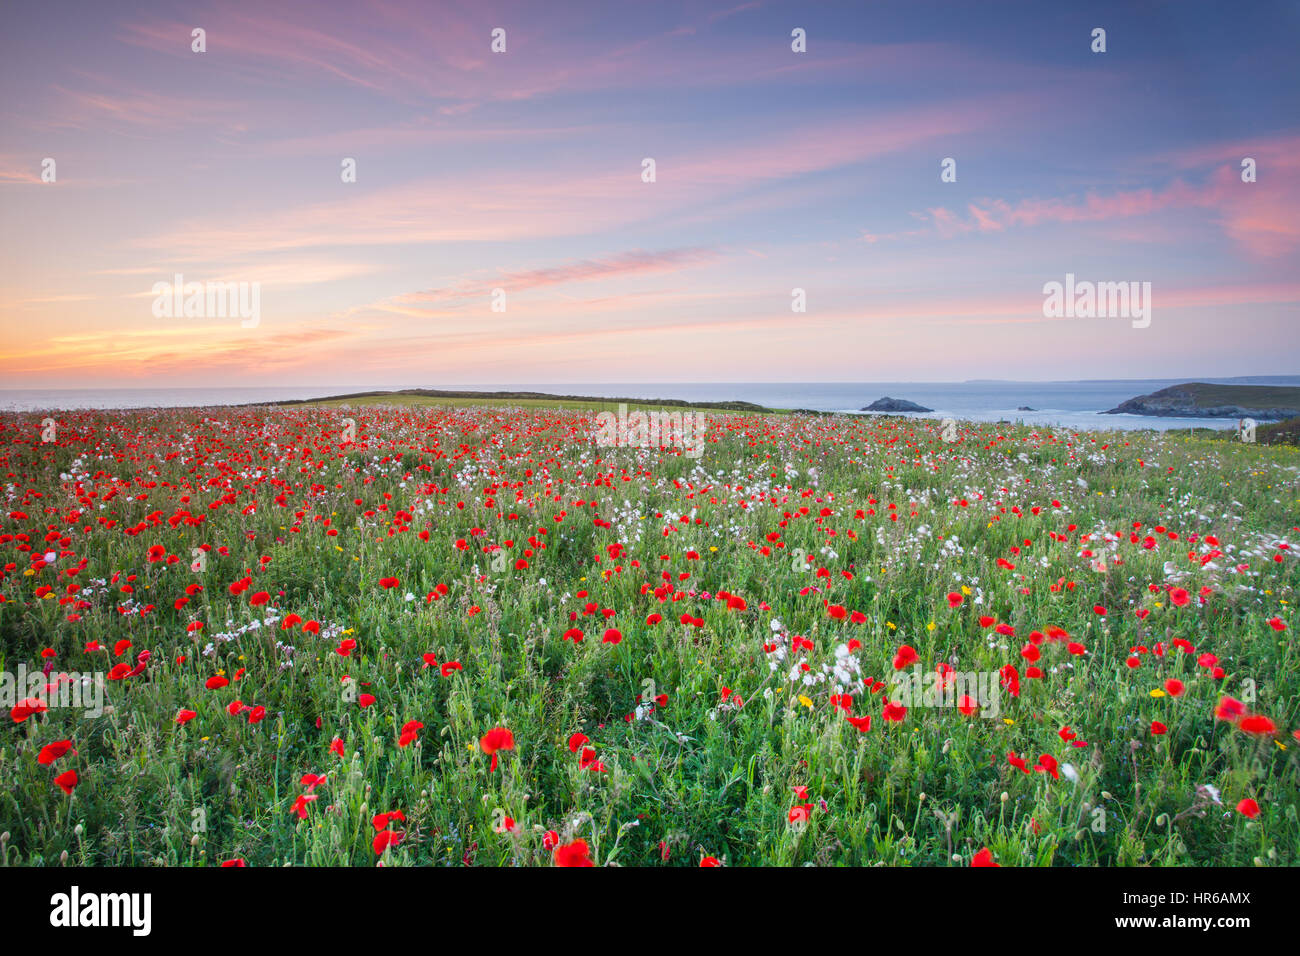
{"x": 587, "y": 760}
{"x": 573, "y": 854}
{"x": 498, "y": 738}
{"x": 300, "y": 805}
{"x": 119, "y": 671}
{"x": 67, "y": 780}
{"x": 410, "y": 733}
{"x": 386, "y": 838}
{"x": 906, "y": 655}
{"x": 26, "y": 707}
{"x": 1229, "y": 708}
{"x": 1257, "y": 724}
{"x": 52, "y": 752}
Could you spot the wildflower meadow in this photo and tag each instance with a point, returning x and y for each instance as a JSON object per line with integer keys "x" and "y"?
{"x": 435, "y": 634}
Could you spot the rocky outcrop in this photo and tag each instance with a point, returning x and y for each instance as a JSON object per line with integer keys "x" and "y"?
{"x": 888, "y": 404}
{"x": 1198, "y": 400}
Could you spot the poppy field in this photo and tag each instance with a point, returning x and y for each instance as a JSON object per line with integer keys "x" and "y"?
{"x": 471, "y": 635}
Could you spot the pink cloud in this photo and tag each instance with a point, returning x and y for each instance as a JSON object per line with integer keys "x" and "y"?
{"x": 1263, "y": 217}
{"x": 586, "y": 270}
{"x": 543, "y": 202}
{"x": 12, "y": 173}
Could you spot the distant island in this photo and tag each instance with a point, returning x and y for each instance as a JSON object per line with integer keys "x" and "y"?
{"x": 732, "y": 406}
{"x": 888, "y": 404}
{"x": 1199, "y": 400}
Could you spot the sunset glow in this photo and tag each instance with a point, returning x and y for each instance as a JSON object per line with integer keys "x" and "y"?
{"x": 522, "y": 172}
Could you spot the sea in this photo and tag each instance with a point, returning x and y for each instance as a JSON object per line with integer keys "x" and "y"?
{"x": 1068, "y": 404}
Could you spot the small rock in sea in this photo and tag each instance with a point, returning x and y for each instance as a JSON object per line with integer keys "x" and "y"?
{"x": 888, "y": 404}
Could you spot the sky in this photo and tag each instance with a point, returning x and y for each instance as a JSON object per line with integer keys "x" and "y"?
{"x": 523, "y": 171}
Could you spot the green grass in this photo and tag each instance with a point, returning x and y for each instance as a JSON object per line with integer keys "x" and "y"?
{"x": 698, "y": 776}
{"x": 1259, "y": 396}
{"x": 424, "y": 401}
{"x": 1279, "y": 433}
{"x": 440, "y": 398}
{"x": 1194, "y": 397}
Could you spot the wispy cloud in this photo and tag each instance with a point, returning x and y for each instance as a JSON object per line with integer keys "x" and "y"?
{"x": 11, "y": 173}
{"x": 538, "y": 201}
{"x": 523, "y": 171}
{"x": 1262, "y": 216}
{"x": 622, "y": 265}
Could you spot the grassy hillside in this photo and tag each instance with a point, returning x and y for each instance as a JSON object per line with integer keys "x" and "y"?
{"x": 442, "y": 397}
{"x": 1270, "y": 396}
{"x": 1198, "y": 399}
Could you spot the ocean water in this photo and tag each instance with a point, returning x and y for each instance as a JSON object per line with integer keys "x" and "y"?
{"x": 1071, "y": 404}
